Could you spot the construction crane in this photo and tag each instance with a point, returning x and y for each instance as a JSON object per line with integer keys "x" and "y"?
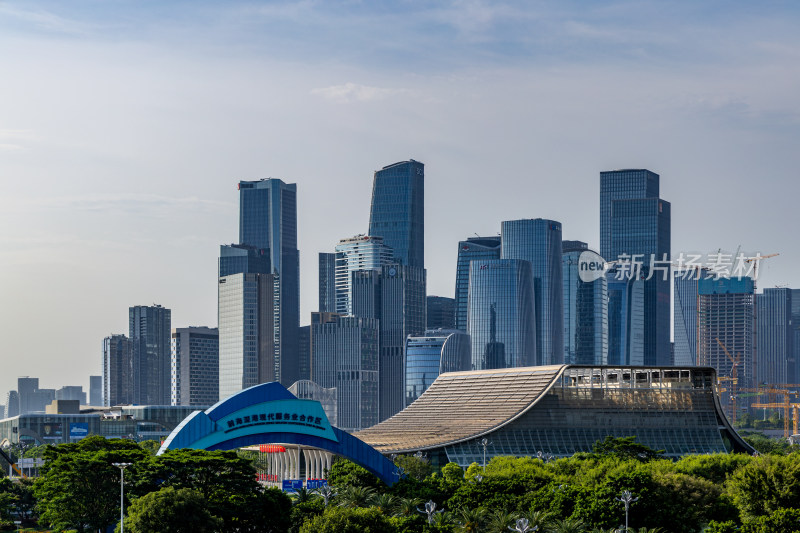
{"x": 756, "y": 261}
{"x": 733, "y": 378}
{"x": 5, "y": 456}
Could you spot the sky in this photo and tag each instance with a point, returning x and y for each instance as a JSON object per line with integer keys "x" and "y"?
{"x": 126, "y": 125}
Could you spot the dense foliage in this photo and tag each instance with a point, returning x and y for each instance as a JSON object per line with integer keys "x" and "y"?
{"x": 190, "y": 490}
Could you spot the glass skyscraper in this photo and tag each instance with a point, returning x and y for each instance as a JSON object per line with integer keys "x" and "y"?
{"x": 354, "y": 254}
{"x": 585, "y": 308}
{"x": 268, "y": 221}
{"x": 538, "y": 241}
{"x": 436, "y": 352}
{"x": 327, "y": 282}
{"x": 775, "y": 337}
{"x": 635, "y": 225}
{"x": 685, "y": 317}
{"x": 195, "y": 366}
{"x": 397, "y": 212}
{"x": 117, "y": 371}
{"x": 470, "y": 250}
{"x": 440, "y": 312}
{"x": 501, "y": 316}
{"x": 149, "y": 332}
{"x": 625, "y": 319}
{"x": 796, "y": 330}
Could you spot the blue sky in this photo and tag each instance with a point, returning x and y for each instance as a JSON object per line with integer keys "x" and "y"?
{"x": 124, "y": 127}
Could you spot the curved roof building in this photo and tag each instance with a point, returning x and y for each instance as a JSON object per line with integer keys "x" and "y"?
{"x": 559, "y": 410}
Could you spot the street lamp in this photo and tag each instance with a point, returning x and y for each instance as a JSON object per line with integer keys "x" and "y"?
{"x": 122, "y": 467}
{"x": 627, "y": 498}
{"x": 484, "y": 442}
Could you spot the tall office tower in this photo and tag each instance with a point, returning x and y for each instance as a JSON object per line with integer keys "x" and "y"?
{"x": 304, "y": 347}
{"x": 12, "y": 404}
{"x": 472, "y": 249}
{"x": 366, "y": 289}
{"x": 402, "y": 314}
{"x": 685, "y": 317}
{"x": 27, "y": 387}
{"x": 117, "y": 371}
{"x": 726, "y": 317}
{"x": 317, "y": 318}
{"x": 538, "y": 241}
{"x": 355, "y": 254}
{"x": 2, "y": 412}
{"x": 346, "y": 357}
{"x": 240, "y": 258}
{"x": 635, "y": 224}
{"x": 775, "y": 337}
{"x": 246, "y": 315}
{"x": 327, "y": 282}
{"x": 149, "y": 330}
{"x": 585, "y": 305}
{"x": 501, "y": 320}
{"x": 268, "y": 221}
{"x": 796, "y": 330}
{"x": 441, "y": 312}
{"x": 195, "y": 366}
{"x": 436, "y": 352}
{"x": 71, "y": 392}
{"x": 397, "y": 211}
{"x": 95, "y": 391}
{"x": 625, "y": 319}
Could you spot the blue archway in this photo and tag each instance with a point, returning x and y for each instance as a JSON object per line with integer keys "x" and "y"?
{"x": 269, "y": 413}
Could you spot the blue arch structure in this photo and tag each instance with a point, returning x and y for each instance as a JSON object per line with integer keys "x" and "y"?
{"x": 269, "y": 413}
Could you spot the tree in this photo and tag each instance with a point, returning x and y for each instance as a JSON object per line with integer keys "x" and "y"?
{"x": 353, "y": 496}
{"x": 344, "y": 520}
{"x": 778, "y": 521}
{"x": 625, "y": 448}
{"x": 413, "y": 466}
{"x": 78, "y": 487}
{"x": 344, "y": 472}
{"x": 765, "y": 485}
{"x": 168, "y": 509}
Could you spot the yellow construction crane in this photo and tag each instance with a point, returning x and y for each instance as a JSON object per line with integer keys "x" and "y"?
{"x": 732, "y": 378}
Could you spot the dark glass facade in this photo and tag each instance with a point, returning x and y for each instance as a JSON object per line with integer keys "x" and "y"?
{"x": 585, "y": 310}
{"x": 239, "y": 258}
{"x": 685, "y": 321}
{"x": 625, "y": 320}
{"x": 775, "y": 337}
{"x": 470, "y": 250}
{"x": 441, "y": 312}
{"x": 427, "y": 356}
{"x": 796, "y": 330}
{"x": 117, "y": 371}
{"x": 397, "y": 211}
{"x": 268, "y": 221}
{"x": 501, "y": 320}
{"x": 622, "y": 185}
{"x": 327, "y": 282}
{"x": 538, "y": 241}
{"x": 149, "y": 329}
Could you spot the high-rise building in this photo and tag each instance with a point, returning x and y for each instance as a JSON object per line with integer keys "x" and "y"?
{"x": 195, "y": 366}
{"x": 327, "y": 282}
{"x": 366, "y": 290}
{"x": 501, "y": 319}
{"x": 268, "y": 221}
{"x": 472, "y": 249}
{"x": 304, "y": 347}
{"x": 149, "y": 330}
{"x": 317, "y": 317}
{"x": 625, "y": 319}
{"x": 71, "y": 392}
{"x": 402, "y": 304}
{"x": 685, "y": 317}
{"x": 12, "y": 404}
{"x": 240, "y": 258}
{"x": 345, "y": 352}
{"x": 397, "y": 211}
{"x": 27, "y": 387}
{"x": 726, "y": 323}
{"x": 440, "y": 312}
{"x": 796, "y": 330}
{"x": 436, "y": 352}
{"x": 775, "y": 337}
{"x": 585, "y": 306}
{"x": 96, "y": 391}
{"x": 538, "y": 241}
{"x": 356, "y": 254}
{"x": 635, "y": 226}
{"x": 2, "y": 412}
{"x": 246, "y": 316}
{"x": 117, "y": 371}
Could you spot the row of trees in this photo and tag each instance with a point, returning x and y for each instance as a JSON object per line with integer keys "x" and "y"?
{"x": 198, "y": 491}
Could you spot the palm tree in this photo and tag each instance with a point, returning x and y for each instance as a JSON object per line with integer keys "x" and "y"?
{"x": 648, "y": 530}
{"x": 540, "y": 519}
{"x": 407, "y": 506}
{"x": 386, "y": 503}
{"x": 568, "y": 525}
{"x": 499, "y": 521}
{"x": 470, "y": 520}
{"x": 303, "y": 495}
{"x": 353, "y": 496}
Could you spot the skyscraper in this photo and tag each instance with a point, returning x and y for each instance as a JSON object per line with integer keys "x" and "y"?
{"x": 625, "y": 319}
{"x": 247, "y": 354}
{"x": 470, "y": 250}
{"x": 195, "y": 366}
{"x": 240, "y": 258}
{"x": 96, "y": 391}
{"x": 355, "y": 254}
{"x": 685, "y": 317}
{"x": 440, "y": 312}
{"x": 585, "y": 306}
{"x": 538, "y": 241}
{"x": 149, "y": 330}
{"x": 327, "y": 282}
{"x": 397, "y": 211}
{"x": 796, "y": 330}
{"x": 501, "y": 319}
{"x": 117, "y": 371}
{"x": 268, "y": 221}
{"x": 12, "y": 404}
{"x": 775, "y": 337}
{"x": 435, "y": 352}
{"x": 635, "y": 225}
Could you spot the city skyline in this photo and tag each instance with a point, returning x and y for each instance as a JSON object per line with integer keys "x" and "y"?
{"x": 121, "y": 160}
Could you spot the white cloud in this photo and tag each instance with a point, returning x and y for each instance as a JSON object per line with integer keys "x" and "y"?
{"x": 353, "y": 92}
